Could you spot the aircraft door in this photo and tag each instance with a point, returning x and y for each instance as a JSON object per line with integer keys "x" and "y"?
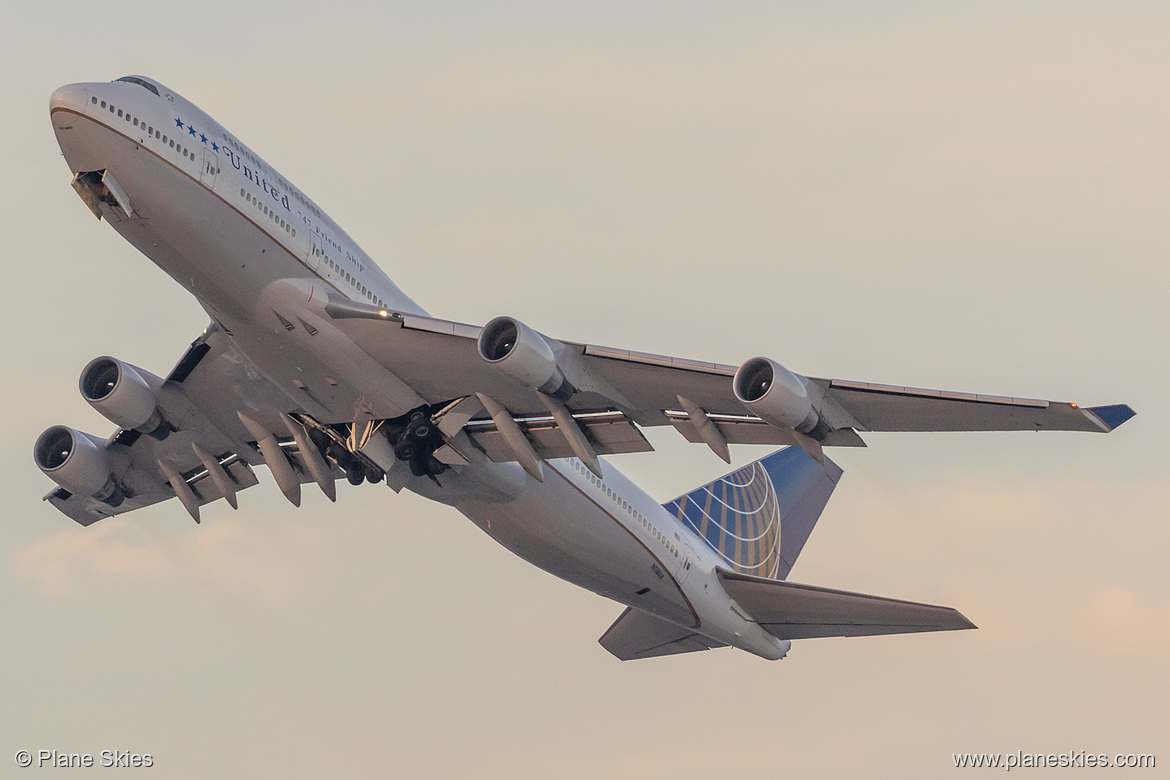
{"x": 313, "y": 258}
{"x": 210, "y": 168}
{"x": 685, "y": 568}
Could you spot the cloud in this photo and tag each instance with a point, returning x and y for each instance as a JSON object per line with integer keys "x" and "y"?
{"x": 1125, "y": 623}
{"x": 227, "y": 554}
{"x": 56, "y": 562}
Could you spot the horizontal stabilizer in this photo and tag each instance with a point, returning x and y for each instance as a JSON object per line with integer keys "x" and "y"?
{"x": 637, "y": 634}
{"x": 791, "y": 611}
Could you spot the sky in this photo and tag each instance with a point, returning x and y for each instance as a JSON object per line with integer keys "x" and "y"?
{"x": 962, "y": 196}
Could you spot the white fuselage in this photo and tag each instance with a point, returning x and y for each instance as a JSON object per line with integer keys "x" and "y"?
{"x": 234, "y": 233}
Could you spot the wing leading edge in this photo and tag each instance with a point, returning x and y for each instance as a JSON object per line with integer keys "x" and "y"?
{"x": 651, "y": 389}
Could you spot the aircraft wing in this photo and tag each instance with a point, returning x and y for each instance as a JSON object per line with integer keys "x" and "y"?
{"x": 440, "y": 360}
{"x": 227, "y": 415}
{"x": 207, "y": 454}
{"x": 890, "y": 408}
{"x": 791, "y": 611}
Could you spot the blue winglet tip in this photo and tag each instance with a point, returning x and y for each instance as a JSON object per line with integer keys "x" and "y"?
{"x": 1114, "y": 415}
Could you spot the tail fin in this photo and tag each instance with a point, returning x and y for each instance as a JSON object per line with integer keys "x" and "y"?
{"x": 758, "y": 518}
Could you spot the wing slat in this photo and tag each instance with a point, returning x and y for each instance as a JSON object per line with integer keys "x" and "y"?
{"x": 649, "y": 384}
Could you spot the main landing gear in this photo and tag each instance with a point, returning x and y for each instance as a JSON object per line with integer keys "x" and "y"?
{"x": 332, "y": 443}
{"x": 415, "y": 438}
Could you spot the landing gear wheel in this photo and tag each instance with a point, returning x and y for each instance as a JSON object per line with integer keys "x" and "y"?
{"x": 415, "y": 438}
{"x": 419, "y": 427}
{"x": 406, "y": 449}
{"x": 356, "y": 473}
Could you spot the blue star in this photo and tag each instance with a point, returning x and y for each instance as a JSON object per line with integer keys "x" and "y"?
{"x": 203, "y": 139}
{"x": 190, "y": 130}
{"x": 214, "y": 147}
{"x": 178, "y": 122}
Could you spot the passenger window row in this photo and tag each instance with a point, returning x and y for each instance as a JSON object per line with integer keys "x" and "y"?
{"x": 580, "y": 467}
{"x": 305, "y": 202}
{"x": 270, "y": 213}
{"x": 148, "y": 129}
{"x": 349, "y": 278}
{"x": 247, "y": 154}
{"x": 260, "y": 206}
{"x": 243, "y": 150}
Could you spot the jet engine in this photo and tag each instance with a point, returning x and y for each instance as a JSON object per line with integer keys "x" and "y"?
{"x": 775, "y": 395}
{"x": 523, "y": 355}
{"x": 77, "y": 463}
{"x": 120, "y": 394}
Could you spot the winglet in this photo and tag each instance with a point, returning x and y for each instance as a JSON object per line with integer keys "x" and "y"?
{"x": 1112, "y": 416}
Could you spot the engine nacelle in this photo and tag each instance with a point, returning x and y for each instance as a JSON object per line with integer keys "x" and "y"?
{"x": 523, "y": 355}
{"x": 120, "y": 394}
{"x": 76, "y": 463}
{"x": 775, "y": 395}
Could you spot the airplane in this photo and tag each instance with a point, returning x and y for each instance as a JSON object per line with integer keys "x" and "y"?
{"x": 318, "y": 367}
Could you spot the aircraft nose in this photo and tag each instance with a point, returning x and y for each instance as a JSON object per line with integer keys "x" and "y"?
{"x": 73, "y": 96}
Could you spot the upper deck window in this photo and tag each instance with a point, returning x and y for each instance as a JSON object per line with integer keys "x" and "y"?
{"x": 140, "y": 82}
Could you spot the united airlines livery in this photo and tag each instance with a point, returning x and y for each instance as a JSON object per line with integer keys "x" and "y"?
{"x": 316, "y": 366}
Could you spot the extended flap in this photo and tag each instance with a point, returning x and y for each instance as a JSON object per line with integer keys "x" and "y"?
{"x": 610, "y": 433}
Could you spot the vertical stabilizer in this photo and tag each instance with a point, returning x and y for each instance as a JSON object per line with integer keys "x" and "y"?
{"x": 758, "y": 518}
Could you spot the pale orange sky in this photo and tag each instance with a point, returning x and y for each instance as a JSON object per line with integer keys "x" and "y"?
{"x": 964, "y": 197}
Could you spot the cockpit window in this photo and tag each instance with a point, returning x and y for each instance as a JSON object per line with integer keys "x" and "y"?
{"x": 140, "y": 82}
